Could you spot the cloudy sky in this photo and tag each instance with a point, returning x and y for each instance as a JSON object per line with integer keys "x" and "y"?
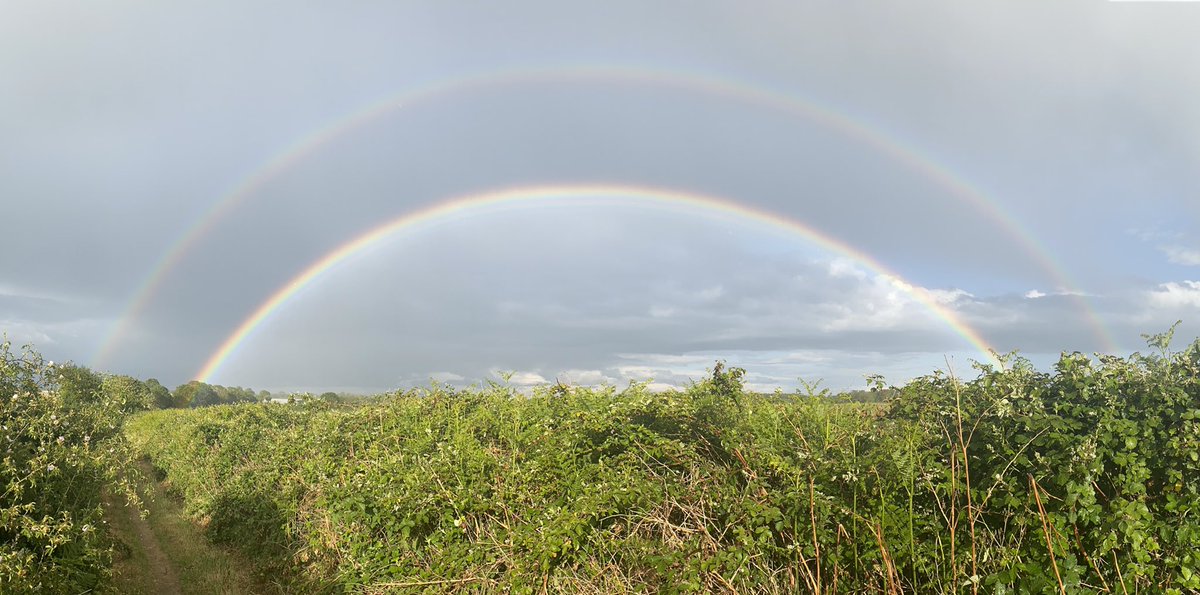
{"x": 922, "y": 173}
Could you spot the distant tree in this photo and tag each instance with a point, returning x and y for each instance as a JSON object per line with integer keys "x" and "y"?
{"x": 872, "y": 395}
{"x": 331, "y": 397}
{"x": 160, "y": 396}
{"x": 264, "y": 395}
{"x": 200, "y": 394}
{"x": 205, "y": 395}
{"x": 184, "y": 393}
{"x": 242, "y": 395}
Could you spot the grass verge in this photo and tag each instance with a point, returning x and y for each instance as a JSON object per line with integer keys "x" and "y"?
{"x": 166, "y": 553}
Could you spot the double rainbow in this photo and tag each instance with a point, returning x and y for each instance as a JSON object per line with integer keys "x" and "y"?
{"x": 906, "y": 154}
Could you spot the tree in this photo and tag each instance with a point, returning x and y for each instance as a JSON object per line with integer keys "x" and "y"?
{"x": 184, "y": 393}
{"x": 78, "y": 384}
{"x": 205, "y": 395}
{"x": 160, "y": 396}
{"x": 131, "y": 392}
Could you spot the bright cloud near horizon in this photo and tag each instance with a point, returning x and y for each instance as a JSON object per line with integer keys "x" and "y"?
{"x": 897, "y": 183}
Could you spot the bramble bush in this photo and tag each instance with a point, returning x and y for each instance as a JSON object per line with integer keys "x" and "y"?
{"x": 60, "y": 435}
{"x": 1081, "y": 479}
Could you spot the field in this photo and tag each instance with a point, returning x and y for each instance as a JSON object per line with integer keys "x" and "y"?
{"x": 1082, "y": 479}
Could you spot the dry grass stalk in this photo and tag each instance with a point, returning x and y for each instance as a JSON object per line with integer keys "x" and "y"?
{"x": 962, "y": 447}
{"x": 893, "y": 577}
{"x": 1037, "y": 495}
{"x": 812, "y": 514}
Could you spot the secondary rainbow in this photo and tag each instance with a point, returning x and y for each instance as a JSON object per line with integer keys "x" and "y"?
{"x": 473, "y": 204}
{"x": 308, "y": 144}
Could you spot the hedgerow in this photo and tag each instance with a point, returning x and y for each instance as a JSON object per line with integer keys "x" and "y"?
{"x": 61, "y": 442}
{"x": 1081, "y": 479}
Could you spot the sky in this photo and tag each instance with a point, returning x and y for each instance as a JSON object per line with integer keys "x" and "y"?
{"x": 594, "y": 193}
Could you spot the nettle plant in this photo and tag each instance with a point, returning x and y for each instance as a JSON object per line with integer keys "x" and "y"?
{"x": 57, "y": 456}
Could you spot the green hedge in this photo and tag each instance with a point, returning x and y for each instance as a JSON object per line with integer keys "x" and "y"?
{"x": 61, "y": 445}
{"x": 1082, "y": 479}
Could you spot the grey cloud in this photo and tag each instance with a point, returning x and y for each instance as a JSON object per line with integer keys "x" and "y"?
{"x": 125, "y": 124}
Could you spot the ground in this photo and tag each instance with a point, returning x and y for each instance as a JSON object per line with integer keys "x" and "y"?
{"x": 165, "y": 553}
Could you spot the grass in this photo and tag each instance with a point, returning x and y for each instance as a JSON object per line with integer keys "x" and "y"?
{"x": 167, "y": 553}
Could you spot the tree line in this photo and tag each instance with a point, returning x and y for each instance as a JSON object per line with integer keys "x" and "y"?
{"x": 79, "y": 384}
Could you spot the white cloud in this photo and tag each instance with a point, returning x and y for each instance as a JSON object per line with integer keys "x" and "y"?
{"x": 1034, "y": 294}
{"x": 659, "y": 387}
{"x": 1173, "y": 244}
{"x": 20, "y": 332}
{"x": 517, "y": 377}
{"x": 1185, "y": 294}
{"x": 584, "y": 377}
{"x": 1181, "y": 255}
{"x": 882, "y": 303}
{"x": 527, "y": 379}
{"x": 637, "y": 373}
{"x": 845, "y": 268}
{"x": 948, "y": 297}
{"x": 31, "y": 294}
{"x": 447, "y": 377}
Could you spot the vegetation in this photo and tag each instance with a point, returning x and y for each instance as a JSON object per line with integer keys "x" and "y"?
{"x": 62, "y": 446}
{"x": 166, "y": 553}
{"x": 200, "y": 394}
{"x": 1084, "y": 478}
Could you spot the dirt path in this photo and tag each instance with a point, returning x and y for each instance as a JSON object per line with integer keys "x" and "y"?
{"x": 156, "y": 571}
{"x": 166, "y": 553}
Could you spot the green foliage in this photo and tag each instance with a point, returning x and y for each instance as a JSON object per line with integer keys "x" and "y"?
{"x": 1082, "y": 479}
{"x": 160, "y": 396}
{"x": 133, "y": 394}
{"x": 61, "y": 445}
{"x": 200, "y": 394}
{"x": 78, "y": 385}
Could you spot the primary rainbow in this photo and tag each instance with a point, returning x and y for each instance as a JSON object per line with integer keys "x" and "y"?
{"x": 478, "y": 203}
{"x": 306, "y": 145}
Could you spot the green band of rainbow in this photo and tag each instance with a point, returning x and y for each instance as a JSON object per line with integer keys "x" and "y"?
{"x": 481, "y": 202}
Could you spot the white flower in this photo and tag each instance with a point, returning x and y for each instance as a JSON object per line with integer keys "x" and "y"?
{"x": 61, "y": 440}
{"x": 51, "y": 467}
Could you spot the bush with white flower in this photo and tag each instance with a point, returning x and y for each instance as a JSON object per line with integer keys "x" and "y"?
{"x": 58, "y": 454}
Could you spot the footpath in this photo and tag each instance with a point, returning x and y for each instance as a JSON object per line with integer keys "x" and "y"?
{"x": 167, "y": 554}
